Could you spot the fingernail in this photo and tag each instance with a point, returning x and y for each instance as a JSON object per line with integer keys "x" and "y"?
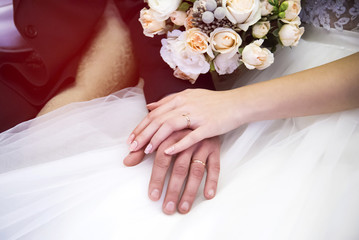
{"x": 130, "y": 138}
{"x": 170, "y": 150}
{"x": 155, "y": 194}
{"x": 211, "y": 193}
{"x": 148, "y": 148}
{"x": 185, "y": 206}
{"x": 170, "y": 207}
{"x": 133, "y": 146}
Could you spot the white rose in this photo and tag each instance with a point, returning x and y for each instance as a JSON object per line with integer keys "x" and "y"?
{"x": 244, "y": 13}
{"x": 163, "y": 8}
{"x": 253, "y": 56}
{"x": 178, "y": 17}
{"x": 266, "y": 8}
{"x": 149, "y": 24}
{"x": 226, "y": 64}
{"x": 290, "y": 34}
{"x": 261, "y": 29}
{"x": 225, "y": 40}
{"x": 177, "y": 54}
{"x": 292, "y": 11}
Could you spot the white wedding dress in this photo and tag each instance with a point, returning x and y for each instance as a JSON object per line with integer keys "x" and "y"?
{"x": 62, "y": 175}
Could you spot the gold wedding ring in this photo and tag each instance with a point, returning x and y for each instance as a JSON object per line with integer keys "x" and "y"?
{"x": 188, "y": 120}
{"x": 199, "y": 161}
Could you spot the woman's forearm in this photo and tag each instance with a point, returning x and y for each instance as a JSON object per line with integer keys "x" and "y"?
{"x": 328, "y": 88}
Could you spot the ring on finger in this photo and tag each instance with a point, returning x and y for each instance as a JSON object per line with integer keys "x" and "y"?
{"x": 199, "y": 161}
{"x": 188, "y": 119}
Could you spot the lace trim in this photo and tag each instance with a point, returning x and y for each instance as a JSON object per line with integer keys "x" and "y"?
{"x": 338, "y": 14}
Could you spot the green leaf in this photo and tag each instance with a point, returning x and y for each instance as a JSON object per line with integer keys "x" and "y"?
{"x": 240, "y": 50}
{"x": 276, "y": 32}
{"x": 184, "y": 7}
{"x": 271, "y": 2}
{"x": 280, "y": 24}
{"x": 273, "y": 17}
{"x": 212, "y": 68}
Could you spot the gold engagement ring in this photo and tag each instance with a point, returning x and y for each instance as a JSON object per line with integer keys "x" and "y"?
{"x": 188, "y": 119}
{"x": 199, "y": 161}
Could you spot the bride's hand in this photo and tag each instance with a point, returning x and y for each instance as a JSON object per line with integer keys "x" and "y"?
{"x": 207, "y": 113}
{"x": 189, "y": 164}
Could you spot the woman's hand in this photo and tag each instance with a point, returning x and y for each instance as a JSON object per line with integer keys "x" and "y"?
{"x": 207, "y": 113}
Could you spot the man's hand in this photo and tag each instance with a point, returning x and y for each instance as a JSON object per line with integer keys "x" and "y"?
{"x": 188, "y": 170}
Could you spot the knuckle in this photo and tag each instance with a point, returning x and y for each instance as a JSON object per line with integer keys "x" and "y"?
{"x": 180, "y": 170}
{"x": 161, "y": 163}
{"x": 168, "y": 125}
{"x": 212, "y": 181}
{"x": 215, "y": 168}
{"x": 197, "y": 172}
{"x": 191, "y": 193}
{"x": 156, "y": 181}
{"x": 150, "y": 116}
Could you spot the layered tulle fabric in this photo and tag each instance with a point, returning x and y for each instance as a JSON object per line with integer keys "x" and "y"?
{"x": 63, "y": 178}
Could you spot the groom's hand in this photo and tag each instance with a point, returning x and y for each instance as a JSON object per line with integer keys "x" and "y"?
{"x": 188, "y": 170}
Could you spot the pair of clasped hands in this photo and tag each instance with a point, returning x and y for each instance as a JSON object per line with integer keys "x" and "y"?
{"x": 178, "y": 129}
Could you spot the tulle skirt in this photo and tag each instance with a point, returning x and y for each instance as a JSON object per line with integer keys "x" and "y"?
{"x": 62, "y": 175}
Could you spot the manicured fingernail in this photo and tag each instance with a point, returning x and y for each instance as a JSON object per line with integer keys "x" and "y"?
{"x": 155, "y": 194}
{"x": 170, "y": 207}
{"x": 148, "y": 148}
{"x": 185, "y": 206}
{"x": 130, "y": 138}
{"x": 211, "y": 193}
{"x": 133, "y": 146}
{"x": 170, "y": 150}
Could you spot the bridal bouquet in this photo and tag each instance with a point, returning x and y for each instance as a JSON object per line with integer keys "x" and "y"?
{"x": 220, "y": 35}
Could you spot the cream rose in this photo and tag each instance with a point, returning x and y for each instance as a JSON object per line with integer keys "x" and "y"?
{"x": 150, "y": 25}
{"x": 266, "y": 8}
{"x": 253, "y": 56}
{"x": 163, "y": 8}
{"x": 244, "y": 13}
{"x": 225, "y": 40}
{"x": 196, "y": 40}
{"x": 178, "y": 17}
{"x": 292, "y": 11}
{"x": 261, "y": 29}
{"x": 226, "y": 64}
{"x": 290, "y": 34}
{"x": 176, "y": 53}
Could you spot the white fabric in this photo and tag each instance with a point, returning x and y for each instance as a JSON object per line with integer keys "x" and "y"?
{"x": 63, "y": 178}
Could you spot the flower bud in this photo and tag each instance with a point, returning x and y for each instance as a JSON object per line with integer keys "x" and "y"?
{"x": 178, "y": 17}
{"x": 261, "y": 29}
{"x": 290, "y": 34}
